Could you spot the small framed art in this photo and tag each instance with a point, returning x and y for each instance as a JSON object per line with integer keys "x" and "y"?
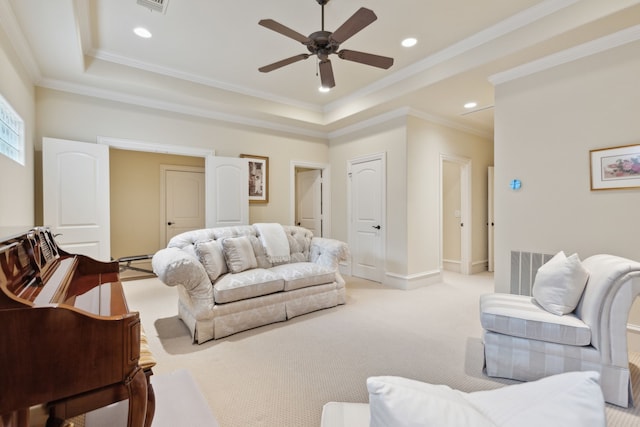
{"x": 615, "y": 167}
{"x": 258, "y": 185}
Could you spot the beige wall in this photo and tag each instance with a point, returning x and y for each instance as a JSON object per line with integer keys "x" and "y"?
{"x": 427, "y": 142}
{"x": 80, "y": 118}
{"x": 16, "y": 180}
{"x": 545, "y": 126}
{"x": 390, "y": 138}
{"x": 135, "y": 199}
{"x": 413, "y": 147}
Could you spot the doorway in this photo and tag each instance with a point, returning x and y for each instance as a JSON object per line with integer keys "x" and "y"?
{"x": 310, "y": 197}
{"x": 455, "y": 214}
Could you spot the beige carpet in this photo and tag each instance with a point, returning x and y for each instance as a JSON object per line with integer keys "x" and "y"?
{"x": 281, "y": 374}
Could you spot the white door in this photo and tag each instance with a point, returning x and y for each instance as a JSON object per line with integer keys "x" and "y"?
{"x": 309, "y": 200}
{"x": 227, "y": 191}
{"x": 490, "y": 218}
{"x": 451, "y": 217}
{"x": 76, "y": 196}
{"x": 184, "y": 190}
{"x": 367, "y": 235}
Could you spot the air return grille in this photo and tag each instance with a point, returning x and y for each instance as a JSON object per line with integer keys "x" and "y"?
{"x": 157, "y": 5}
{"x": 524, "y": 266}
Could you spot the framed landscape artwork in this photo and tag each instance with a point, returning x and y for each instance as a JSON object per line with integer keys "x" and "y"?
{"x": 615, "y": 167}
{"x": 258, "y": 185}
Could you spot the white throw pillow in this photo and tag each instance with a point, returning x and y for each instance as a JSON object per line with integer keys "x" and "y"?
{"x": 239, "y": 254}
{"x": 401, "y": 402}
{"x": 211, "y": 256}
{"x": 571, "y": 399}
{"x": 559, "y": 284}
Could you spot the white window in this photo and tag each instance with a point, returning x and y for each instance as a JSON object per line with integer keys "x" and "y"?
{"x": 11, "y": 132}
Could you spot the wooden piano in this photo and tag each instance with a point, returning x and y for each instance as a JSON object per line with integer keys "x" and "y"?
{"x": 68, "y": 339}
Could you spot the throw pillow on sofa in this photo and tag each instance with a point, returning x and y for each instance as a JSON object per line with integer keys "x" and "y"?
{"x": 559, "y": 283}
{"x": 211, "y": 256}
{"x": 239, "y": 254}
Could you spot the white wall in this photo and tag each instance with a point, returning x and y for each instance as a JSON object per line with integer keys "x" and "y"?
{"x": 68, "y": 116}
{"x": 16, "y": 181}
{"x": 545, "y": 125}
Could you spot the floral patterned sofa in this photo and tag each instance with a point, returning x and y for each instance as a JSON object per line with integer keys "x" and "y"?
{"x": 231, "y": 279}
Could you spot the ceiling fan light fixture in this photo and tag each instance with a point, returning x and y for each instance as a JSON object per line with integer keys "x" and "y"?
{"x": 409, "y": 41}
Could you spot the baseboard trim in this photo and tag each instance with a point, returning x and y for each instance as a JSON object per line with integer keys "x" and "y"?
{"x": 412, "y": 281}
{"x": 633, "y": 328}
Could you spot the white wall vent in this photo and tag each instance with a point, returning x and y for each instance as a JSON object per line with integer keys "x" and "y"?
{"x": 157, "y": 5}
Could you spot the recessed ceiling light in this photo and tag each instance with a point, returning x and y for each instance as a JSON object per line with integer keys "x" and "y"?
{"x": 142, "y": 32}
{"x": 324, "y": 89}
{"x": 469, "y": 105}
{"x": 408, "y": 42}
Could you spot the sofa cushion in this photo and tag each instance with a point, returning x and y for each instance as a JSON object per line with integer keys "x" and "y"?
{"x": 212, "y": 258}
{"x": 238, "y": 252}
{"x": 303, "y": 274}
{"x": 519, "y": 316}
{"x": 559, "y": 283}
{"x": 401, "y": 402}
{"x": 246, "y": 284}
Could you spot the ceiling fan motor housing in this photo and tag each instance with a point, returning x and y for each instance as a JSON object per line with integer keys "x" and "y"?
{"x": 321, "y": 45}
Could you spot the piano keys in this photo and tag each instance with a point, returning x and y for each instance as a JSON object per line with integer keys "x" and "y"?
{"x": 68, "y": 339}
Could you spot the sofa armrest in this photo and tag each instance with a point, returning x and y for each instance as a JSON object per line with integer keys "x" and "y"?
{"x": 328, "y": 252}
{"x": 174, "y": 267}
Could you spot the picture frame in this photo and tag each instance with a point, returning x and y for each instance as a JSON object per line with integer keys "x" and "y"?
{"x": 615, "y": 168}
{"x": 258, "y": 184}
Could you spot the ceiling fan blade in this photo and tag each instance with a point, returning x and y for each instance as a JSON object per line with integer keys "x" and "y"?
{"x": 366, "y": 58}
{"x": 283, "y": 62}
{"x": 285, "y": 31}
{"x": 357, "y": 22}
{"x": 326, "y": 74}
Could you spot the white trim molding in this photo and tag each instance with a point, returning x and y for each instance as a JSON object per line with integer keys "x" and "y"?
{"x": 602, "y": 44}
{"x": 412, "y": 281}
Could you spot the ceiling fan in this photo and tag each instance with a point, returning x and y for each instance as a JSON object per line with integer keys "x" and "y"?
{"x": 324, "y": 43}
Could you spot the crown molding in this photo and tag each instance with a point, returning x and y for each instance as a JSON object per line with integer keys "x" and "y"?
{"x": 180, "y": 75}
{"x": 593, "y": 47}
{"x": 130, "y": 144}
{"x": 81, "y": 89}
{"x": 406, "y": 112}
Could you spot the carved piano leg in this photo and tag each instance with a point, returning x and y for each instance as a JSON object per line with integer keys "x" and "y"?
{"x": 151, "y": 399}
{"x": 137, "y": 386}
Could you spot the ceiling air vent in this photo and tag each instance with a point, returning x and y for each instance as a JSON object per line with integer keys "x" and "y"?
{"x": 157, "y": 5}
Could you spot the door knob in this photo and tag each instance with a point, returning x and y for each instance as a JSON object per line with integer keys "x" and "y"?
{"x": 170, "y": 223}
{"x": 377, "y": 227}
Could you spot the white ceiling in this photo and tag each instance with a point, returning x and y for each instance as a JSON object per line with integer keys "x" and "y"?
{"x": 204, "y": 55}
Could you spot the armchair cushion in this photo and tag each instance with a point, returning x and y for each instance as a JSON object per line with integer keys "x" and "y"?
{"x": 559, "y": 283}
{"x": 519, "y": 316}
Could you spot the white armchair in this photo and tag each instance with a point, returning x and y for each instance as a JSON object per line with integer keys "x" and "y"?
{"x": 523, "y": 341}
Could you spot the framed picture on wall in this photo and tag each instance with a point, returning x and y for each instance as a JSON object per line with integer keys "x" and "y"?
{"x": 615, "y": 167}
{"x": 258, "y": 178}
